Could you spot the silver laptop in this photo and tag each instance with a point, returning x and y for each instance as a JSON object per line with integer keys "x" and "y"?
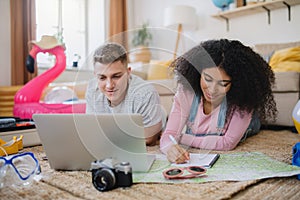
{"x": 73, "y": 141}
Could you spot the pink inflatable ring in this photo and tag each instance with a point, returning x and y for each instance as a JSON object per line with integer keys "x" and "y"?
{"x": 27, "y": 99}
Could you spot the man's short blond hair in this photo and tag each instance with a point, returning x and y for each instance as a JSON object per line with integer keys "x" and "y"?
{"x": 110, "y": 53}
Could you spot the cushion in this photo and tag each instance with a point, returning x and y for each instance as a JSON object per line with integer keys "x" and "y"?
{"x": 159, "y": 70}
{"x": 286, "y": 82}
{"x": 287, "y": 59}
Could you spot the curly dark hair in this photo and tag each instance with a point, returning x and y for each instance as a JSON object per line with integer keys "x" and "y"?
{"x": 251, "y": 77}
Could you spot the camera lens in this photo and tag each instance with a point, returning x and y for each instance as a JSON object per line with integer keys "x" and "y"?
{"x": 104, "y": 179}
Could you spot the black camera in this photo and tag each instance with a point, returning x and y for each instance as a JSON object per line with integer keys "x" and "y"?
{"x": 107, "y": 175}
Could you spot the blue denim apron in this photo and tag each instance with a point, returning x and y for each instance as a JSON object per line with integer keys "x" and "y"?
{"x": 252, "y": 129}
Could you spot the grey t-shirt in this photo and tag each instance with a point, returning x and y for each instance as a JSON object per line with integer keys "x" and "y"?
{"x": 141, "y": 98}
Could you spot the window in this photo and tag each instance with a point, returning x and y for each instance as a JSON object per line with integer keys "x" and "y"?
{"x": 80, "y": 24}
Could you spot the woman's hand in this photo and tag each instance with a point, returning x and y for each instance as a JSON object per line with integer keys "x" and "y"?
{"x": 177, "y": 154}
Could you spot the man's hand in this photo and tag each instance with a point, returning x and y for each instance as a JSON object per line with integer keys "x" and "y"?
{"x": 152, "y": 134}
{"x": 151, "y": 141}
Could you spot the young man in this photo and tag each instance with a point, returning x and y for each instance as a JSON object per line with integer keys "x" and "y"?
{"x": 115, "y": 90}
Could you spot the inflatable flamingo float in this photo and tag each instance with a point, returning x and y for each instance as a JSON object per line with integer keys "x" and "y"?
{"x": 27, "y": 99}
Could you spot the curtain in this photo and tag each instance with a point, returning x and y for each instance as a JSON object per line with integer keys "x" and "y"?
{"x": 118, "y": 22}
{"x": 23, "y": 30}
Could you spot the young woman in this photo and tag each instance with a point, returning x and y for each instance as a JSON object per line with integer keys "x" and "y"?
{"x": 224, "y": 91}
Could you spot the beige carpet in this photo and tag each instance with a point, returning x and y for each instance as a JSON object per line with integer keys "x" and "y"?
{"x": 77, "y": 185}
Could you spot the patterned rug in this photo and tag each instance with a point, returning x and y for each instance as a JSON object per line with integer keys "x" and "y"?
{"x": 77, "y": 185}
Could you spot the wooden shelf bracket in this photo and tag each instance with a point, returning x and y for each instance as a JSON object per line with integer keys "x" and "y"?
{"x": 269, "y": 14}
{"x": 289, "y": 10}
{"x": 227, "y": 22}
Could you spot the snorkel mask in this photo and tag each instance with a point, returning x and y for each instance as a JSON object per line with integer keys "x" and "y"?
{"x": 18, "y": 170}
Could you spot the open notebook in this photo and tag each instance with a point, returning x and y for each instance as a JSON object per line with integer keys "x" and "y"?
{"x": 204, "y": 160}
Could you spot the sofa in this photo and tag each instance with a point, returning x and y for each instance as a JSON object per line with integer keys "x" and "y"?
{"x": 287, "y": 80}
{"x": 159, "y": 74}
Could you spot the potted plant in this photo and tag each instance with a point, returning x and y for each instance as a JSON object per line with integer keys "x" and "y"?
{"x": 140, "y": 41}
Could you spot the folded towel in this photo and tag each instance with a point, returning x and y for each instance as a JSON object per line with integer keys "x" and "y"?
{"x": 7, "y": 122}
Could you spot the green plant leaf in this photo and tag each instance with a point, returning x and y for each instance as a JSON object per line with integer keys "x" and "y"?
{"x": 142, "y": 36}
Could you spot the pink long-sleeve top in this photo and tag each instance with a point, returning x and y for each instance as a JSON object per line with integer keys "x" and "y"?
{"x": 233, "y": 130}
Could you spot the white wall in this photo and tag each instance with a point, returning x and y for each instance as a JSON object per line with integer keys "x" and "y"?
{"x": 249, "y": 29}
{"x": 5, "y": 62}
{"x": 95, "y": 27}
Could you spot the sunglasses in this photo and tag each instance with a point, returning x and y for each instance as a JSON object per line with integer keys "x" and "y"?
{"x": 178, "y": 173}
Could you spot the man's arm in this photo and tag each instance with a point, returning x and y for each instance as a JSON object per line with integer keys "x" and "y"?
{"x": 152, "y": 133}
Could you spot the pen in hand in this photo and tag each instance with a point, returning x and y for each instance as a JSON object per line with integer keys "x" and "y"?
{"x": 173, "y": 139}
{"x": 182, "y": 151}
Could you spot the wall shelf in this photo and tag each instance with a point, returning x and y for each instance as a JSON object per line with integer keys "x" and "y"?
{"x": 256, "y": 8}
